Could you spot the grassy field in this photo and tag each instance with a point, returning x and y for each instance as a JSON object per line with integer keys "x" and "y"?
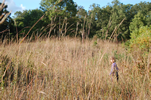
{"x": 67, "y": 69}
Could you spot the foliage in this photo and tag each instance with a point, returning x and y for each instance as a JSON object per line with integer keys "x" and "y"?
{"x": 109, "y": 18}
{"x": 140, "y": 45}
{"x": 114, "y": 21}
{"x": 140, "y": 32}
{"x": 59, "y": 16}
{"x": 137, "y": 22}
{"x": 141, "y": 38}
{"x": 65, "y": 7}
{"x": 28, "y": 18}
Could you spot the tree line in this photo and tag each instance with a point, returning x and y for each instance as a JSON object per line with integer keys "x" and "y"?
{"x": 115, "y": 21}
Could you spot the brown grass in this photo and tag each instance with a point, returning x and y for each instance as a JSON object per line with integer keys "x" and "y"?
{"x": 71, "y": 70}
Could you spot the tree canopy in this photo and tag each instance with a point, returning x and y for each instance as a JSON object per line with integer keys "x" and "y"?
{"x": 115, "y": 21}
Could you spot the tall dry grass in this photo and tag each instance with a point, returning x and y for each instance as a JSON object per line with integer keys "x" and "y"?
{"x": 69, "y": 70}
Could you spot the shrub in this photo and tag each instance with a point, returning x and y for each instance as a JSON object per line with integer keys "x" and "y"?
{"x": 140, "y": 45}
{"x": 141, "y": 39}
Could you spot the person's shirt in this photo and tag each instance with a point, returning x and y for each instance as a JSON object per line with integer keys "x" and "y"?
{"x": 113, "y": 68}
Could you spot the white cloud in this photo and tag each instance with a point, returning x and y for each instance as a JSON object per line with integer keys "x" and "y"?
{"x": 12, "y": 6}
{"x": 23, "y": 8}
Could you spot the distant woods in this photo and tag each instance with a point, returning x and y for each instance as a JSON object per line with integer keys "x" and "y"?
{"x": 115, "y": 21}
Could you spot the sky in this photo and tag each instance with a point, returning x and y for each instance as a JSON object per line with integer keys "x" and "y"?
{"x": 20, "y": 5}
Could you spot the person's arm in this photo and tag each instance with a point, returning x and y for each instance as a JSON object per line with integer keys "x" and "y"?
{"x": 112, "y": 69}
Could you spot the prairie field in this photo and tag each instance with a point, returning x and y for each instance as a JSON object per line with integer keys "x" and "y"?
{"x": 68, "y": 69}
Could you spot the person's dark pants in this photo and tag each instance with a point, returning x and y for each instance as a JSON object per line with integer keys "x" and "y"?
{"x": 117, "y": 76}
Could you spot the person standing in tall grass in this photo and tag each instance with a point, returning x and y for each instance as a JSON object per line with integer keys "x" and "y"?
{"x": 114, "y": 69}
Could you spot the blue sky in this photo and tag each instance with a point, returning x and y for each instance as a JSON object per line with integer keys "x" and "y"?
{"x": 20, "y": 5}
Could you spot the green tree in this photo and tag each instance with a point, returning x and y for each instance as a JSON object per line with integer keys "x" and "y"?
{"x": 65, "y": 7}
{"x": 61, "y": 14}
{"x": 138, "y": 21}
{"x": 81, "y": 12}
{"x": 120, "y": 20}
{"x": 112, "y": 20}
{"x": 148, "y": 18}
{"x": 28, "y": 18}
{"x": 100, "y": 19}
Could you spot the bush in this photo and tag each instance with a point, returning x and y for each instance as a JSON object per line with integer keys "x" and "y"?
{"x": 141, "y": 39}
{"x": 140, "y": 45}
